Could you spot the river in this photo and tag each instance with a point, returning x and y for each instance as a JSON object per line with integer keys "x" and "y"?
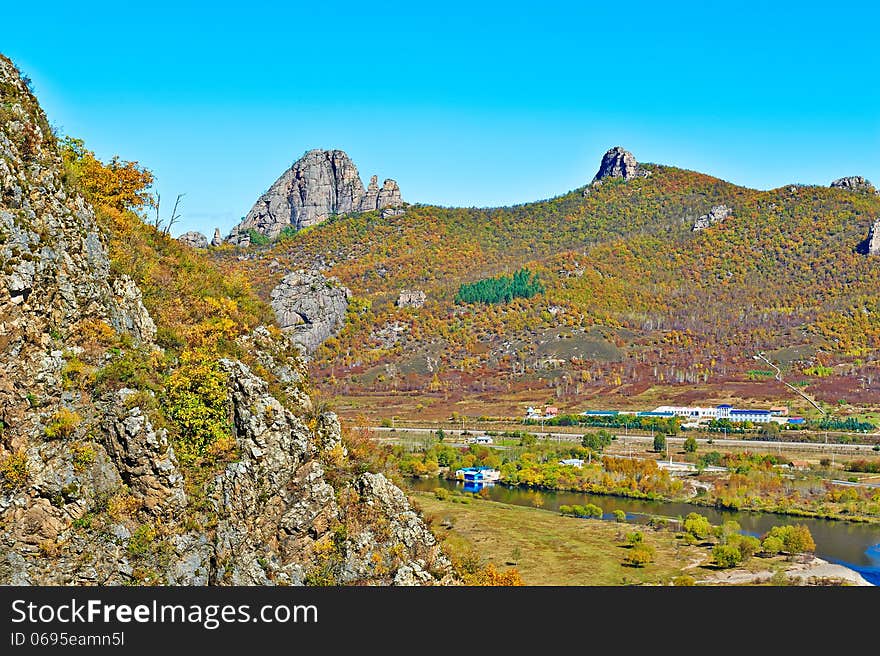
{"x": 854, "y": 545}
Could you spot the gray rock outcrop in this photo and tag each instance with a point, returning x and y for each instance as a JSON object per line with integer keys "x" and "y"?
{"x": 855, "y": 183}
{"x": 278, "y": 513}
{"x": 193, "y": 239}
{"x": 56, "y": 274}
{"x": 321, "y": 184}
{"x": 619, "y": 163}
{"x": 309, "y": 308}
{"x": 218, "y": 238}
{"x": 874, "y": 238}
{"x": 414, "y": 298}
{"x": 143, "y": 456}
{"x": 715, "y": 215}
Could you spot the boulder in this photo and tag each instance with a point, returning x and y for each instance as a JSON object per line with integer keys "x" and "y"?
{"x": 193, "y": 239}
{"x": 309, "y": 307}
{"x": 411, "y": 298}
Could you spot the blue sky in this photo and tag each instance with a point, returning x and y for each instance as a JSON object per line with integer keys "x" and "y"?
{"x": 463, "y": 103}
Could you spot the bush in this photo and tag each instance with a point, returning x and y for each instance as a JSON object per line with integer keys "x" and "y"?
{"x": 772, "y": 545}
{"x": 13, "y": 470}
{"x": 441, "y": 493}
{"x": 63, "y": 424}
{"x": 690, "y": 444}
{"x": 619, "y": 515}
{"x": 195, "y": 400}
{"x": 635, "y": 538}
{"x": 684, "y": 580}
{"x": 639, "y": 556}
{"x": 697, "y": 526}
{"x": 726, "y": 556}
{"x": 591, "y": 510}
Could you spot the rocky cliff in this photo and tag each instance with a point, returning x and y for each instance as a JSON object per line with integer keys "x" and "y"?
{"x": 309, "y": 308}
{"x": 322, "y": 183}
{"x": 92, "y": 489}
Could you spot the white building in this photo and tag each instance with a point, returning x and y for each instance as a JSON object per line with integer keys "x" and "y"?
{"x": 723, "y": 411}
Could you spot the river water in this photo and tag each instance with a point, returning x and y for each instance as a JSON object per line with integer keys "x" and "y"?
{"x": 852, "y": 544}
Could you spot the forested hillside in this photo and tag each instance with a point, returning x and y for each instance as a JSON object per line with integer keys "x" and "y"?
{"x": 633, "y": 296}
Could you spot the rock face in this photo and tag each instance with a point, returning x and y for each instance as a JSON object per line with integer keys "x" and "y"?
{"x": 310, "y": 308}
{"x": 322, "y": 183}
{"x": 411, "y": 298}
{"x": 874, "y": 238}
{"x": 56, "y": 275}
{"x": 193, "y": 239}
{"x": 715, "y": 215}
{"x": 92, "y": 490}
{"x": 218, "y": 238}
{"x": 619, "y": 163}
{"x": 855, "y": 183}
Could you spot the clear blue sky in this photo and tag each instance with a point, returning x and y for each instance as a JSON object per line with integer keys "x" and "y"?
{"x": 464, "y": 103}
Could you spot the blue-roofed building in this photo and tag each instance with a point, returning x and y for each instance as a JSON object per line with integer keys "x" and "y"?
{"x": 600, "y": 413}
{"x": 654, "y": 413}
{"x": 477, "y": 475}
{"x": 797, "y": 421}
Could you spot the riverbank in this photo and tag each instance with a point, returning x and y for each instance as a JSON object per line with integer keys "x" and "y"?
{"x": 816, "y": 571}
{"x": 549, "y": 549}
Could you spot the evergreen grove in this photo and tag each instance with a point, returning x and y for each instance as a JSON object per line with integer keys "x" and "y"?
{"x": 501, "y": 289}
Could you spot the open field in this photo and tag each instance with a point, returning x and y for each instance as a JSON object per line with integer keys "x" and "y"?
{"x": 549, "y": 549}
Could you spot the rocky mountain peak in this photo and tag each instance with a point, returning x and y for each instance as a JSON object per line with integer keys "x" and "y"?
{"x": 855, "y": 183}
{"x": 619, "y": 163}
{"x": 320, "y": 184}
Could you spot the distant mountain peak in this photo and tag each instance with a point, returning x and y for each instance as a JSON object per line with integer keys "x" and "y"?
{"x": 855, "y": 183}
{"x": 618, "y": 162}
{"x": 318, "y": 185}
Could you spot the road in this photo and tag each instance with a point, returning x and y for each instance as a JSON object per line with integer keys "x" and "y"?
{"x": 770, "y": 444}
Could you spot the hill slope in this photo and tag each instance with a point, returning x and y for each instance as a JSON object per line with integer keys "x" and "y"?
{"x": 634, "y": 297}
